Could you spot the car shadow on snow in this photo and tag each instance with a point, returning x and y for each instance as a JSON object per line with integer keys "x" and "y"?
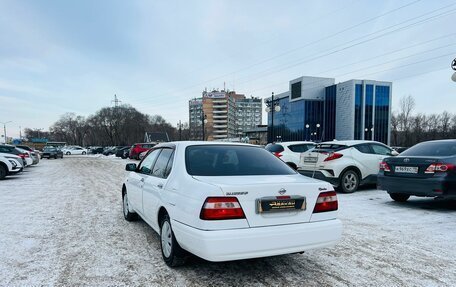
{"x": 427, "y": 203}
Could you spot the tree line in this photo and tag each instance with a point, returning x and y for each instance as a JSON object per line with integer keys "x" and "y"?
{"x": 110, "y": 126}
{"x": 408, "y": 128}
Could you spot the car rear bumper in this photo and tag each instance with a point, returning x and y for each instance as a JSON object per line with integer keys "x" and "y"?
{"x": 431, "y": 187}
{"x": 236, "y": 244}
{"x": 321, "y": 176}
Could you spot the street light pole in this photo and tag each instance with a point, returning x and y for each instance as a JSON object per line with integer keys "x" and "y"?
{"x": 180, "y": 130}
{"x": 272, "y": 106}
{"x": 4, "y": 128}
{"x": 203, "y": 121}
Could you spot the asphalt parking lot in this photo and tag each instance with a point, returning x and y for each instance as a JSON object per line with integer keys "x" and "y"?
{"x": 62, "y": 224}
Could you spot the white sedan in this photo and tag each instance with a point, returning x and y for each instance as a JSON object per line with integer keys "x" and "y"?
{"x": 225, "y": 201}
{"x": 75, "y": 150}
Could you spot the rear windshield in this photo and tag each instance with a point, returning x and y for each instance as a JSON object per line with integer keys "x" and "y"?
{"x": 49, "y": 149}
{"x": 442, "y": 148}
{"x": 274, "y": 148}
{"x": 300, "y": 147}
{"x": 232, "y": 160}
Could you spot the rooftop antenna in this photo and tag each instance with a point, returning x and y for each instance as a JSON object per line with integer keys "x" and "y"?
{"x": 116, "y": 101}
{"x": 224, "y": 87}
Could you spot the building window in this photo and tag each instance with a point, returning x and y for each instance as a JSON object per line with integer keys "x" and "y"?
{"x": 358, "y": 111}
{"x": 382, "y": 95}
{"x": 296, "y": 90}
{"x": 369, "y": 112}
{"x": 330, "y": 113}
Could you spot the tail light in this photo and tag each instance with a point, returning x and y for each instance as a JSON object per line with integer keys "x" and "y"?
{"x": 333, "y": 156}
{"x": 439, "y": 167}
{"x": 21, "y": 155}
{"x": 220, "y": 208}
{"x": 26, "y": 155}
{"x": 326, "y": 201}
{"x": 385, "y": 167}
{"x": 277, "y": 154}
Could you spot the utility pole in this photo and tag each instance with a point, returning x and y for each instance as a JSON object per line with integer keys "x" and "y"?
{"x": 203, "y": 121}
{"x": 116, "y": 101}
{"x": 272, "y": 106}
{"x": 180, "y": 130}
{"x": 20, "y": 133}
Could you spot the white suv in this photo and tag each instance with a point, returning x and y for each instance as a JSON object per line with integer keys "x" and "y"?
{"x": 345, "y": 164}
{"x": 9, "y": 164}
{"x": 290, "y": 152}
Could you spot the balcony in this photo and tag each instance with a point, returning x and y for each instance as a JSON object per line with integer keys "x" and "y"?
{"x": 220, "y": 126}
{"x": 220, "y": 131}
{"x": 219, "y": 136}
{"x": 219, "y": 106}
{"x": 219, "y": 101}
{"x": 219, "y": 112}
{"x": 220, "y": 116}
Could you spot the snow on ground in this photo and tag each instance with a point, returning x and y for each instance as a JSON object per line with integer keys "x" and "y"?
{"x": 61, "y": 224}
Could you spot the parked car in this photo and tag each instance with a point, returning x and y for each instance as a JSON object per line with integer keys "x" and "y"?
{"x": 138, "y": 148}
{"x": 227, "y": 201}
{"x": 290, "y": 152}
{"x": 143, "y": 154}
{"x": 426, "y": 169}
{"x": 75, "y": 150}
{"x": 126, "y": 153}
{"x": 113, "y": 150}
{"x": 9, "y": 165}
{"x": 26, "y": 159}
{"x": 52, "y": 152}
{"x": 96, "y": 150}
{"x": 399, "y": 149}
{"x": 35, "y": 154}
{"x": 120, "y": 152}
{"x": 345, "y": 164}
{"x": 32, "y": 156}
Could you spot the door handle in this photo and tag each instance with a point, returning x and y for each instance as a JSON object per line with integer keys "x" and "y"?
{"x": 160, "y": 185}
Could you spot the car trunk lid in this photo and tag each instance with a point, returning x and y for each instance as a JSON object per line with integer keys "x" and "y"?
{"x": 413, "y": 166}
{"x": 249, "y": 190}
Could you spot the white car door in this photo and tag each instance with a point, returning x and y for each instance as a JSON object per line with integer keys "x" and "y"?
{"x": 155, "y": 185}
{"x": 136, "y": 181}
{"x": 381, "y": 152}
{"x": 366, "y": 160}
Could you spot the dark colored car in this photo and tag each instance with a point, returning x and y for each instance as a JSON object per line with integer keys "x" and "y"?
{"x": 138, "y": 148}
{"x": 96, "y": 150}
{"x": 51, "y": 152}
{"x": 121, "y": 152}
{"x": 427, "y": 169}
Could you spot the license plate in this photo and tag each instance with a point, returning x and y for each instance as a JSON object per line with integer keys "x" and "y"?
{"x": 310, "y": 159}
{"x": 272, "y": 203}
{"x": 406, "y": 169}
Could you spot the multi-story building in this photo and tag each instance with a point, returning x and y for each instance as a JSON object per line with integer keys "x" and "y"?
{"x": 248, "y": 114}
{"x": 318, "y": 109}
{"x": 226, "y": 115}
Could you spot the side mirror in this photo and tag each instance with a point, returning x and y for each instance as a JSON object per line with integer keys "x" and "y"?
{"x": 394, "y": 153}
{"x": 130, "y": 167}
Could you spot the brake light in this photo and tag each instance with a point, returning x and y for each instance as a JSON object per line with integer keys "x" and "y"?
{"x": 326, "y": 201}
{"x": 26, "y": 155}
{"x": 333, "y": 156}
{"x": 439, "y": 167}
{"x": 220, "y": 208}
{"x": 384, "y": 166}
{"x": 21, "y": 155}
{"x": 277, "y": 154}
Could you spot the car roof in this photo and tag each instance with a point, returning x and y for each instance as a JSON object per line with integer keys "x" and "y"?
{"x": 199, "y": 143}
{"x": 295, "y": 142}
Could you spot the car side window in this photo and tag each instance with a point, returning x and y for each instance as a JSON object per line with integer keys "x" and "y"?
{"x": 379, "y": 149}
{"x": 363, "y": 148}
{"x": 146, "y": 165}
{"x": 160, "y": 165}
{"x": 300, "y": 147}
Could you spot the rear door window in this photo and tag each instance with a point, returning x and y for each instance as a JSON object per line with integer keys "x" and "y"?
{"x": 364, "y": 148}
{"x": 379, "y": 149}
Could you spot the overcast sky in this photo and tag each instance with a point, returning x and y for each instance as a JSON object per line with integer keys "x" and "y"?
{"x": 73, "y": 56}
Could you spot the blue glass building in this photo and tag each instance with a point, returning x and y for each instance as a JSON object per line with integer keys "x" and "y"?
{"x": 317, "y": 109}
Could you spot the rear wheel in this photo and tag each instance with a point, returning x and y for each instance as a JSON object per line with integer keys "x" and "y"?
{"x": 172, "y": 253}
{"x": 55, "y": 156}
{"x": 83, "y": 153}
{"x": 399, "y": 197}
{"x": 349, "y": 181}
{"x": 68, "y": 153}
{"x": 3, "y": 172}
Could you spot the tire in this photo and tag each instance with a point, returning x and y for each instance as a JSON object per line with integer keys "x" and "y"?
{"x": 83, "y": 153}
{"x": 349, "y": 181}
{"x": 399, "y": 197}
{"x": 129, "y": 216}
{"x": 172, "y": 253}
{"x": 3, "y": 172}
{"x": 55, "y": 156}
